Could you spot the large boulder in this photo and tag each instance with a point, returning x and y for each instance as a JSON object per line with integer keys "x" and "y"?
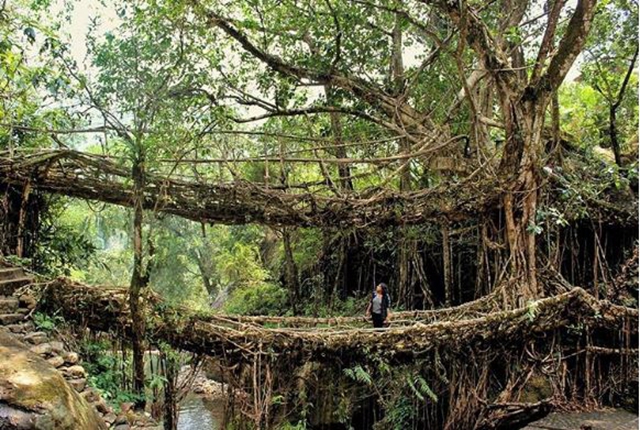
{"x": 34, "y": 396}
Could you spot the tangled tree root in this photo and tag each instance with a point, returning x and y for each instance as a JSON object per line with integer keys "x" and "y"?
{"x": 211, "y": 334}
{"x": 478, "y": 367}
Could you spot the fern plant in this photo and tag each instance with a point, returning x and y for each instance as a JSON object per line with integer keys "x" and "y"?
{"x": 422, "y": 389}
{"x": 358, "y": 374}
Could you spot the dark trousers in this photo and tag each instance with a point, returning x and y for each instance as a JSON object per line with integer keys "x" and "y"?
{"x": 377, "y": 320}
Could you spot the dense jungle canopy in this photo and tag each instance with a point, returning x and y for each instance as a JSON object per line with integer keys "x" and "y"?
{"x": 282, "y": 157}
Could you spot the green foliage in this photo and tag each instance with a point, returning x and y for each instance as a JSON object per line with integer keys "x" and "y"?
{"x": 345, "y": 406}
{"x": 191, "y": 264}
{"x": 240, "y": 266}
{"x": 300, "y": 425}
{"x": 61, "y": 247}
{"x": 156, "y": 382}
{"x": 14, "y": 260}
{"x": 308, "y": 245}
{"x": 405, "y": 393}
{"x": 553, "y": 215}
{"x": 583, "y": 114}
{"x": 317, "y": 305}
{"x": 29, "y": 75}
{"x": 613, "y": 38}
{"x": 277, "y": 399}
{"x": 532, "y": 310}
{"x": 400, "y": 413}
{"x": 535, "y": 228}
{"x": 359, "y": 374}
{"x": 47, "y": 323}
{"x": 260, "y": 299}
{"x": 106, "y": 369}
{"x": 421, "y": 388}
{"x": 514, "y": 35}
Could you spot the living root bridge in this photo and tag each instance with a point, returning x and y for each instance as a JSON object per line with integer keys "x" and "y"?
{"x": 214, "y": 335}
{"x": 95, "y": 177}
{"x": 107, "y": 179}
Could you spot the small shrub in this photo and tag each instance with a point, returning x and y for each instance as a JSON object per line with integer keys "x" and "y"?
{"x": 46, "y": 323}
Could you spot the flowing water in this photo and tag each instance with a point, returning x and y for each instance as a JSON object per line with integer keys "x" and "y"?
{"x": 197, "y": 413}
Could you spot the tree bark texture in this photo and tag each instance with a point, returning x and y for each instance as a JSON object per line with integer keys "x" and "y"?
{"x": 170, "y": 407}
{"x": 139, "y": 281}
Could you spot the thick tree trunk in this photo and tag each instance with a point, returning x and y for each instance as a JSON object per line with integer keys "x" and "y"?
{"x": 138, "y": 282}
{"x": 19, "y": 220}
{"x": 344, "y": 172}
{"x": 404, "y": 257}
{"x": 524, "y": 123}
{"x": 205, "y": 273}
{"x": 171, "y": 367}
{"x": 10, "y": 215}
{"x": 22, "y": 219}
{"x": 346, "y": 184}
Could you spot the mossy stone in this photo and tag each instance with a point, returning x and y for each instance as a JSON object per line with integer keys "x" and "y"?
{"x": 35, "y": 396}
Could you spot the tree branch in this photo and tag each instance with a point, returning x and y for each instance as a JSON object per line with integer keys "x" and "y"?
{"x": 547, "y": 40}
{"x": 569, "y": 47}
{"x": 623, "y": 88}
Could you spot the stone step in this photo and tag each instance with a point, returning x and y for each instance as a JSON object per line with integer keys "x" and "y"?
{"x": 8, "y": 305}
{"x": 7, "y": 319}
{"x": 78, "y": 383}
{"x": 28, "y": 301}
{"x": 23, "y": 311}
{"x": 11, "y": 273}
{"x": 56, "y": 361}
{"x": 9, "y": 286}
{"x": 43, "y": 349}
{"x": 36, "y": 337}
{"x": 55, "y": 348}
{"x": 90, "y": 395}
{"x": 21, "y": 328}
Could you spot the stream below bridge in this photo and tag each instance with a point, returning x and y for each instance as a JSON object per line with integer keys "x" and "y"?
{"x": 199, "y": 413}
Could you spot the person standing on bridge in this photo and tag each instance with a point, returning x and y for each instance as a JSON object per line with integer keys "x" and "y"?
{"x": 379, "y": 306}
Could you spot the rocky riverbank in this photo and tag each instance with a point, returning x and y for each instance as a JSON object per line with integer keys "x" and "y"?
{"x": 42, "y": 361}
